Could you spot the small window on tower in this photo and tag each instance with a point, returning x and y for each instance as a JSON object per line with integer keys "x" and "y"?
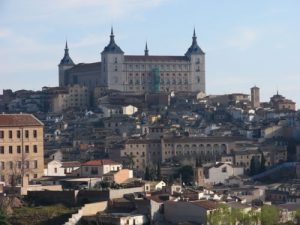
{"x": 116, "y": 68}
{"x": 116, "y": 60}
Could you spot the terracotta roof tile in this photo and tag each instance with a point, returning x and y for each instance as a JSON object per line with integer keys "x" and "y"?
{"x": 71, "y": 164}
{"x": 100, "y": 162}
{"x": 206, "y": 204}
{"x": 16, "y": 120}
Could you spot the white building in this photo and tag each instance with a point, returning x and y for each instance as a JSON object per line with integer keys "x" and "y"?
{"x": 58, "y": 168}
{"x": 96, "y": 168}
{"x": 215, "y": 174}
{"x": 115, "y": 110}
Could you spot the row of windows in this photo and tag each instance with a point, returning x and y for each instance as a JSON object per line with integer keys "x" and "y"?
{"x": 161, "y": 74}
{"x": 222, "y": 146}
{"x": 162, "y": 81}
{"x": 160, "y": 66}
{"x": 18, "y": 165}
{"x": 13, "y": 178}
{"x": 18, "y": 134}
{"x": 18, "y": 149}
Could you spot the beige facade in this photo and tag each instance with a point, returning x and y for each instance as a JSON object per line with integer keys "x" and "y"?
{"x": 148, "y": 152}
{"x": 138, "y": 73}
{"x": 76, "y": 96}
{"x": 21, "y": 148}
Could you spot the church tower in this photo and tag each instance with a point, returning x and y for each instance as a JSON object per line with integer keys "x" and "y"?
{"x": 197, "y": 64}
{"x": 65, "y": 64}
{"x": 255, "y": 102}
{"x": 112, "y": 58}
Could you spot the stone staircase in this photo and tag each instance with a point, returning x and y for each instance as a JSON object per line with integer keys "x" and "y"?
{"x": 87, "y": 210}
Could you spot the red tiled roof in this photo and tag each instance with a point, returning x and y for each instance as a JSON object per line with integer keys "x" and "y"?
{"x": 100, "y": 162}
{"x": 16, "y": 120}
{"x": 71, "y": 164}
{"x": 206, "y": 204}
{"x": 154, "y": 58}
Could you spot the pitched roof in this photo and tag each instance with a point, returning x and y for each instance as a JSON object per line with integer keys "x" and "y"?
{"x": 100, "y": 162}
{"x": 154, "y": 58}
{"x": 83, "y": 67}
{"x": 71, "y": 164}
{"x": 16, "y": 120}
{"x": 206, "y": 204}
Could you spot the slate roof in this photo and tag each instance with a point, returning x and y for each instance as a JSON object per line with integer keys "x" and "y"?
{"x": 84, "y": 67}
{"x": 112, "y": 47}
{"x": 66, "y": 60}
{"x": 194, "y": 49}
{"x": 16, "y": 120}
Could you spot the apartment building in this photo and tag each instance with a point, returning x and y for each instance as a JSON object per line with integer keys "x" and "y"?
{"x": 21, "y": 148}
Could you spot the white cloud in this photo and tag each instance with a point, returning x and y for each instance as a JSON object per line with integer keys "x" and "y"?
{"x": 244, "y": 38}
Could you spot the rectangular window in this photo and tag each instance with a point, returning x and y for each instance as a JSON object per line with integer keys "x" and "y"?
{"x": 35, "y": 133}
{"x": 35, "y": 164}
{"x": 94, "y": 171}
{"x": 35, "y": 150}
{"x": 1, "y": 177}
{"x": 26, "y": 148}
{"x": 10, "y": 149}
{"x": 19, "y": 164}
{"x": 26, "y": 134}
{"x": 10, "y": 134}
{"x": 19, "y": 149}
{"x": 18, "y": 134}
{"x": 1, "y": 134}
{"x": 2, "y": 165}
{"x": 1, "y": 149}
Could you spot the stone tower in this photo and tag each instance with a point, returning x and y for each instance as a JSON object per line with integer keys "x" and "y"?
{"x": 197, "y": 63}
{"x": 112, "y": 58}
{"x": 255, "y": 98}
{"x": 65, "y": 63}
{"x": 199, "y": 173}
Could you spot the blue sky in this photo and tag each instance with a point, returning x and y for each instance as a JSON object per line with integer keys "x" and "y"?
{"x": 247, "y": 43}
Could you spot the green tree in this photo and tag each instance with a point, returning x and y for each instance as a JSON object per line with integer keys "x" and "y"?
{"x": 3, "y": 219}
{"x": 130, "y": 161}
{"x": 262, "y": 163}
{"x": 254, "y": 166}
{"x": 186, "y": 173}
{"x": 297, "y": 216}
{"x": 147, "y": 174}
{"x": 158, "y": 172}
{"x": 269, "y": 215}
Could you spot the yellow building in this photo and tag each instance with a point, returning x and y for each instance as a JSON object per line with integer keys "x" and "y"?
{"x": 21, "y": 148}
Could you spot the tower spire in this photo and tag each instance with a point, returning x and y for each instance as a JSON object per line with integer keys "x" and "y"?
{"x": 66, "y": 48}
{"x": 146, "y": 50}
{"x": 194, "y": 37}
{"x": 112, "y": 36}
{"x": 66, "y": 60}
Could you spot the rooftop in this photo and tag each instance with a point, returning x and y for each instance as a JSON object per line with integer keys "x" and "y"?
{"x": 100, "y": 162}
{"x": 17, "y": 120}
{"x": 206, "y": 204}
{"x": 154, "y": 58}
